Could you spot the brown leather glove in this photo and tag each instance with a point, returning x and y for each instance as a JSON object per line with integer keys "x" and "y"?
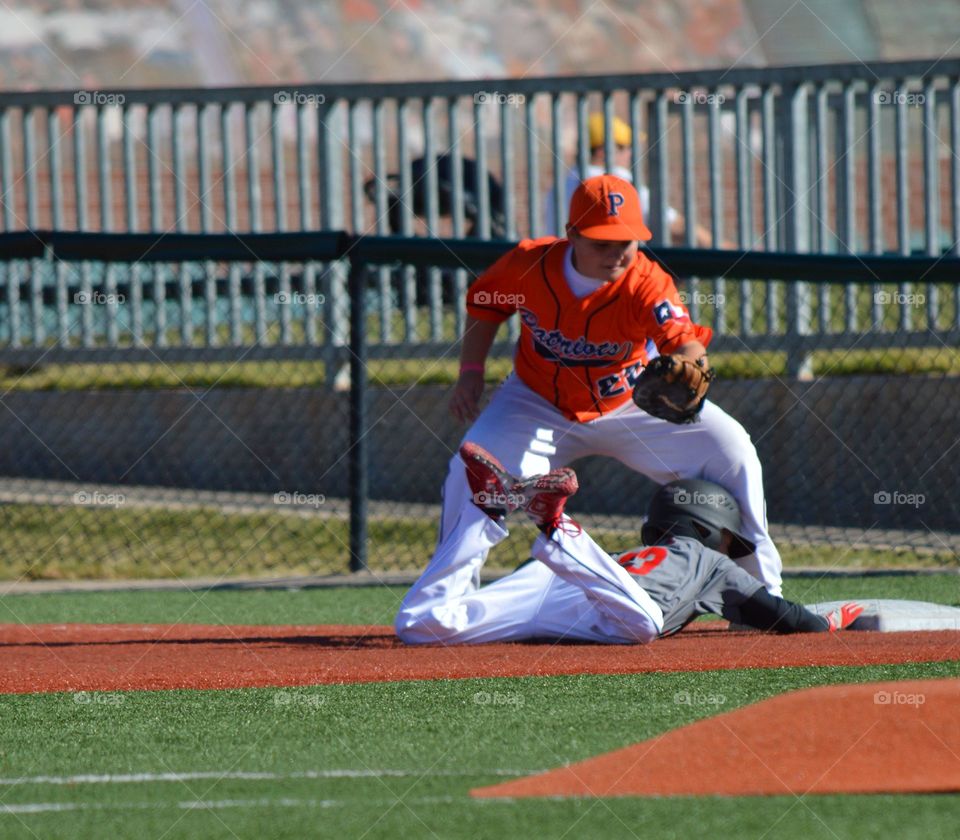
{"x": 673, "y": 388}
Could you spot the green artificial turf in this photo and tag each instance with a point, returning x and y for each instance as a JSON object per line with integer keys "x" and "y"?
{"x": 45, "y": 542}
{"x": 372, "y": 604}
{"x": 939, "y": 589}
{"x": 937, "y": 359}
{"x": 418, "y": 748}
{"x": 329, "y": 605}
{"x": 126, "y": 542}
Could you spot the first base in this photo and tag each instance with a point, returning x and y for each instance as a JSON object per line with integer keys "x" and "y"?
{"x": 891, "y": 616}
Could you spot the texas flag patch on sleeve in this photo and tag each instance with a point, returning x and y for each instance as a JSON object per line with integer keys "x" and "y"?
{"x": 666, "y": 311}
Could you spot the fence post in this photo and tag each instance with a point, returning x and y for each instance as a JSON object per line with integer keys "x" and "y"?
{"x": 795, "y": 212}
{"x": 359, "y": 442}
{"x": 657, "y": 154}
{"x": 332, "y": 217}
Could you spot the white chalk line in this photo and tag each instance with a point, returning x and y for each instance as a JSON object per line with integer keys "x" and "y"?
{"x": 217, "y": 804}
{"x": 140, "y": 778}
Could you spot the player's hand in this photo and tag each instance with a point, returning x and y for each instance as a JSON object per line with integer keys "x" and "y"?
{"x": 465, "y": 402}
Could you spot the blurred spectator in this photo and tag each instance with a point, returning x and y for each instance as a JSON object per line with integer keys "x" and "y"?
{"x": 417, "y": 200}
{"x": 622, "y": 137}
{"x": 444, "y": 170}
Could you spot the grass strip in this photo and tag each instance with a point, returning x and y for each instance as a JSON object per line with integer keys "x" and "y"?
{"x": 373, "y": 604}
{"x": 439, "y": 738}
{"x": 406, "y": 372}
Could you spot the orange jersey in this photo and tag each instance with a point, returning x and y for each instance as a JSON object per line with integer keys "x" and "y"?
{"x": 582, "y": 354}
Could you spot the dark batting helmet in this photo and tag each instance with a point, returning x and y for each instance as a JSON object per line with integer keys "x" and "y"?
{"x": 695, "y": 508}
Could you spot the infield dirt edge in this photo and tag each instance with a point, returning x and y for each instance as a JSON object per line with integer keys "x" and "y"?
{"x": 118, "y": 657}
{"x": 871, "y": 738}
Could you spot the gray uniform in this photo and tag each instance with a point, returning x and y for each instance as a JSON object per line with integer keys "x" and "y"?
{"x": 686, "y": 579}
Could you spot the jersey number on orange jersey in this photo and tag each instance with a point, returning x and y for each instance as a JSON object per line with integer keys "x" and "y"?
{"x": 617, "y": 383}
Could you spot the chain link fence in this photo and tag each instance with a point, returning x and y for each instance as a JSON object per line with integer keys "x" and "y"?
{"x": 243, "y": 414}
{"x": 171, "y": 461}
{"x": 206, "y": 399}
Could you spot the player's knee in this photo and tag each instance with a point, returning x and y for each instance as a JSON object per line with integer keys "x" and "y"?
{"x": 422, "y": 627}
{"x": 409, "y": 636}
{"x": 725, "y": 430}
{"x": 736, "y": 449}
{"x": 409, "y": 628}
{"x": 642, "y": 636}
{"x": 632, "y": 630}
{"x": 743, "y": 455}
{"x": 737, "y": 438}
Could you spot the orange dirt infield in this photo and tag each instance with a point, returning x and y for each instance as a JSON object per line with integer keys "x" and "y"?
{"x": 102, "y": 657}
{"x": 893, "y": 737}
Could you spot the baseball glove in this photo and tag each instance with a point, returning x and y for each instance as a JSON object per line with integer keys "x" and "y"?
{"x": 673, "y": 388}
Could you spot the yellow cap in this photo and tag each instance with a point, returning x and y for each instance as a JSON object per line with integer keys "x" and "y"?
{"x": 621, "y": 131}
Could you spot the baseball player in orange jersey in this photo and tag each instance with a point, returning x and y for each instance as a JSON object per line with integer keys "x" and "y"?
{"x": 588, "y": 306}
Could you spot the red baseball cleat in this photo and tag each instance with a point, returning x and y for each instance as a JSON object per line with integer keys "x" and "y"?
{"x": 546, "y": 495}
{"x": 489, "y": 482}
{"x": 843, "y": 616}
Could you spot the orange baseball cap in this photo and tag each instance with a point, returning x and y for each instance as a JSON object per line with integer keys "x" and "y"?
{"x": 607, "y": 207}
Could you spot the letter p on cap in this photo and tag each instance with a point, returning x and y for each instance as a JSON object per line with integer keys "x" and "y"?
{"x": 616, "y": 200}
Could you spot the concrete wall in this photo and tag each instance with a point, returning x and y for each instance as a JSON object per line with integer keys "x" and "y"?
{"x": 828, "y": 447}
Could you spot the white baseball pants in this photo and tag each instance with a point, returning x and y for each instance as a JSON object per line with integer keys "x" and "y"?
{"x": 530, "y": 437}
{"x": 573, "y": 590}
